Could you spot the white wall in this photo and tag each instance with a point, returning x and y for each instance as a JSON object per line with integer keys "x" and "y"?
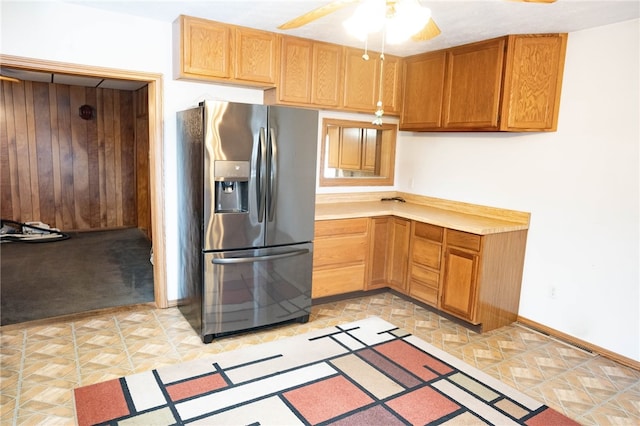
{"x": 580, "y": 183}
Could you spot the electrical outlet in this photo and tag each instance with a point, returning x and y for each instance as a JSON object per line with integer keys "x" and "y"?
{"x": 553, "y": 292}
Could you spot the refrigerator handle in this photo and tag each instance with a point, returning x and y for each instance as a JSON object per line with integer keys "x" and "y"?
{"x": 261, "y": 165}
{"x": 273, "y": 174}
{"x": 251, "y": 259}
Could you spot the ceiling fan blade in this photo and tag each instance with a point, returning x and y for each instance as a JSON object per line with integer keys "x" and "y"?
{"x": 316, "y": 14}
{"x": 536, "y": 1}
{"x": 429, "y": 31}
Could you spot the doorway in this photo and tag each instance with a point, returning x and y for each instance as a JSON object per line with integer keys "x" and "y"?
{"x": 153, "y": 154}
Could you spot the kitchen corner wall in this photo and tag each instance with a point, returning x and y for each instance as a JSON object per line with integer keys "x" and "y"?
{"x": 580, "y": 183}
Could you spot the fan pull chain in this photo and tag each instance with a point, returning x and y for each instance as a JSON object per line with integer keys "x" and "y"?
{"x": 379, "y": 111}
{"x": 365, "y": 55}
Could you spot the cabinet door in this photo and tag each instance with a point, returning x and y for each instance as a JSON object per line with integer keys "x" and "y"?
{"x": 350, "y": 149}
{"x": 379, "y": 248}
{"x": 361, "y": 81}
{"x": 295, "y": 71}
{"x": 256, "y": 55}
{"x": 533, "y": 80}
{"x": 399, "y": 253}
{"x": 333, "y": 147}
{"x": 370, "y": 150}
{"x": 391, "y": 85}
{"x": 460, "y": 283}
{"x": 473, "y": 85}
{"x": 423, "y": 77}
{"x": 205, "y": 47}
{"x": 326, "y": 80}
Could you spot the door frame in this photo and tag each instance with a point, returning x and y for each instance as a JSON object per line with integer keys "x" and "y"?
{"x": 156, "y": 149}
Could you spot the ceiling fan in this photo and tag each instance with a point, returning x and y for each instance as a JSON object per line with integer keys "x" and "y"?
{"x": 429, "y": 31}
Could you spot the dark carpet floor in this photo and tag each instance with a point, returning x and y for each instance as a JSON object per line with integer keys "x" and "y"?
{"x": 90, "y": 270}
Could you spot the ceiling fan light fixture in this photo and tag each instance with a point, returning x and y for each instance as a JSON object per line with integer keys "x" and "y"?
{"x": 400, "y": 19}
{"x": 409, "y": 18}
{"x": 368, "y": 18}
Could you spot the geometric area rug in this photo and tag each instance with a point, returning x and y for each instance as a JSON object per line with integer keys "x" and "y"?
{"x": 367, "y": 372}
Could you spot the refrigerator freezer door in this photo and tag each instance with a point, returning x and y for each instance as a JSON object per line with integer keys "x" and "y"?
{"x": 235, "y": 135}
{"x": 293, "y": 136}
{"x": 244, "y": 289}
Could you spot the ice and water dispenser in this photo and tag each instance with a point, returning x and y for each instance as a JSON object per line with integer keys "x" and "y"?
{"x": 231, "y": 186}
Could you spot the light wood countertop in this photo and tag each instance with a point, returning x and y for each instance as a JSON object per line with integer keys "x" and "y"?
{"x": 481, "y": 221}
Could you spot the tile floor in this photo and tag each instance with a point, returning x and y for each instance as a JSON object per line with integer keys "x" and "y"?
{"x": 42, "y": 362}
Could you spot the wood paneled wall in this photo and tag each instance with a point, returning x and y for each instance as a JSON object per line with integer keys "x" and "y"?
{"x": 70, "y": 173}
{"x": 143, "y": 183}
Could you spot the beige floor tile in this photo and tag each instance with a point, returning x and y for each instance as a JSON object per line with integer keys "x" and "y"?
{"x": 41, "y": 364}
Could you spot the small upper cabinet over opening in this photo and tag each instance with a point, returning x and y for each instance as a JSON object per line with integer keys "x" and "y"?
{"x": 214, "y": 51}
{"x": 357, "y": 153}
{"x": 510, "y": 83}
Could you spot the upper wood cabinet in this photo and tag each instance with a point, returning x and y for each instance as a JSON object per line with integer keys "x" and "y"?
{"x": 359, "y": 149}
{"x": 362, "y": 82}
{"x": 213, "y": 51}
{"x": 509, "y": 83}
{"x": 310, "y": 73}
{"x": 326, "y": 74}
{"x": 533, "y": 82}
{"x": 256, "y": 57}
{"x": 423, "y": 78}
{"x": 472, "y": 85}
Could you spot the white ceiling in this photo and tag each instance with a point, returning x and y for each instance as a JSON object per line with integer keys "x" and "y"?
{"x": 460, "y": 21}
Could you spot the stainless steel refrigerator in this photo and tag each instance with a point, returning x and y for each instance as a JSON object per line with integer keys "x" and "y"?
{"x": 246, "y": 200}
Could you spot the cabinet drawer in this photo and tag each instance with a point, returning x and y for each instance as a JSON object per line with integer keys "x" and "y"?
{"x": 463, "y": 240}
{"x": 424, "y": 275}
{"x": 340, "y": 250}
{"x": 430, "y": 232}
{"x": 426, "y": 253}
{"x": 325, "y": 228}
{"x": 424, "y": 293}
{"x": 333, "y": 281}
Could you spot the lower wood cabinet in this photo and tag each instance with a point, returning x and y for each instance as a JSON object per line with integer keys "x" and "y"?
{"x": 389, "y": 253}
{"x": 340, "y": 256}
{"x": 482, "y": 277}
{"x": 459, "y": 288}
{"x": 476, "y": 278}
{"x": 425, "y": 262}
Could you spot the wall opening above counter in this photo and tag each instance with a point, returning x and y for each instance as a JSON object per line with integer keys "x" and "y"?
{"x": 357, "y": 153}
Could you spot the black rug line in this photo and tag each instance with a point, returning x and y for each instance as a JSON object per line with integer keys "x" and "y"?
{"x": 167, "y": 397}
